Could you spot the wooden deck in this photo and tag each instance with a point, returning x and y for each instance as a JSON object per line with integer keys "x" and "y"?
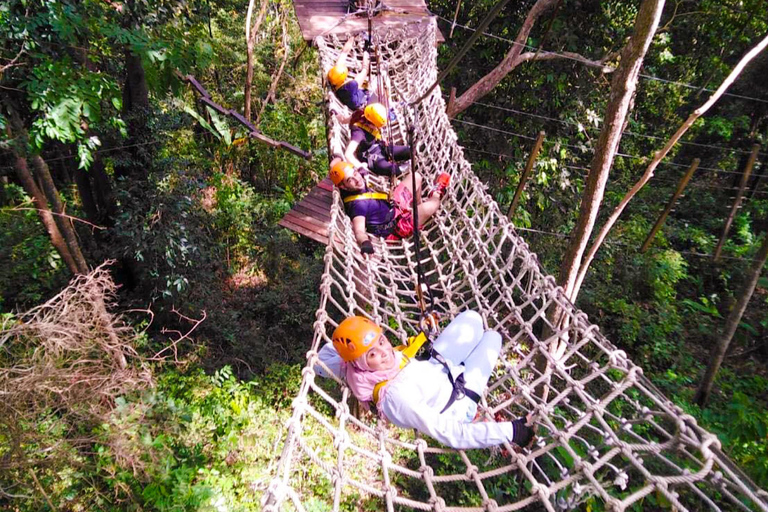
{"x": 318, "y": 17}
{"x": 311, "y": 215}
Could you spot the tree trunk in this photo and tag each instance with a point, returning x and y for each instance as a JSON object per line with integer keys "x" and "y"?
{"x": 250, "y": 39}
{"x": 46, "y": 217}
{"x": 622, "y": 89}
{"x": 657, "y": 158}
{"x": 43, "y": 174}
{"x": 731, "y": 324}
{"x": 136, "y": 90}
{"x": 136, "y": 111}
{"x": 276, "y": 78}
{"x": 103, "y": 194}
{"x": 84, "y": 189}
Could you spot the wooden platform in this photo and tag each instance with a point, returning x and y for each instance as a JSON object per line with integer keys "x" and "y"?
{"x": 311, "y": 215}
{"x": 318, "y": 17}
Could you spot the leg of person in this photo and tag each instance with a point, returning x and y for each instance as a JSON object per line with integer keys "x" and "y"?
{"x": 384, "y": 167}
{"x": 427, "y": 209}
{"x": 399, "y": 153}
{"x": 407, "y": 182}
{"x": 460, "y": 337}
{"x": 479, "y": 365}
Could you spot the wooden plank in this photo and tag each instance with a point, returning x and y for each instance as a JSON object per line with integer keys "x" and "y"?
{"x": 312, "y": 211}
{"x": 321, "y": 196}
{"x": 305, "y": 232}
{"x": 317, "y": 203}
{"x": 308, "y": 222}
{"x": 326, "y": 184}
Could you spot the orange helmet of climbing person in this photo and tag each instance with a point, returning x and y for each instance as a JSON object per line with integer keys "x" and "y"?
{"x": 354, "y": 336}
{"x": 340, "y": 170}
{"x": 376, "y": 114}
{"x": 337, "y": 75}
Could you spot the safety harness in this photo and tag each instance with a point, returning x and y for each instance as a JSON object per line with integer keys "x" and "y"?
{"x": 409, "y": 352}
{"x": 386, "y": 227}
{"x": 366, "y": 195}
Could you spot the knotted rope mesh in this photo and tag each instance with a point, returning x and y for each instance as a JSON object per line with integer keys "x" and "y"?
{"x": 607, "y": 438}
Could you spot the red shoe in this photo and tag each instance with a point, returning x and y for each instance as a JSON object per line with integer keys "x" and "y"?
{"x": 441, "y": 184}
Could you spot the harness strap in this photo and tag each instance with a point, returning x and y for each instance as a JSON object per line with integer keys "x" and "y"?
{"x": 458, "y": 384}
{"x": 366, "y": 195}
{"x": 373, "y": 131}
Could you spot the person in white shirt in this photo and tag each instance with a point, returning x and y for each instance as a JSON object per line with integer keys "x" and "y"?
{"x": 437, "y": 397}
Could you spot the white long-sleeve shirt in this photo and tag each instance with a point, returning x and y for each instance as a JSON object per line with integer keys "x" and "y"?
{"x": 415, "y": 397}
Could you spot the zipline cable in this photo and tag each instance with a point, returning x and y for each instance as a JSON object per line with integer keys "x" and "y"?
{"x": 633, "y": 134}
{"x": 474, "y": 37}
{"x": 585, "y": 148}
{"x": 647, "y": 77}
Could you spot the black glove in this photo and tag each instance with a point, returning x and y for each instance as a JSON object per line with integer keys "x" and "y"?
{"x": 523, "y": 433}
{"x": 366, "y": 247}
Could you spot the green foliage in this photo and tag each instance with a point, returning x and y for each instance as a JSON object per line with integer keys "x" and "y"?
{"x": 31, "y": 267}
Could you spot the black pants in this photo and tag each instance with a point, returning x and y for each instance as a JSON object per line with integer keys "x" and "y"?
{"x": 384, "y": 167}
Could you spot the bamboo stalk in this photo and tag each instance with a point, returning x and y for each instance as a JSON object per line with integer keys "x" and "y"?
{"x": 526, "y": 173}
{"x": 678, "y": 192}
{"x": 737, "y": 201}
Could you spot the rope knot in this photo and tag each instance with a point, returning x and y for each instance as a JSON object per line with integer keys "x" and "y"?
{"x": 490, "y": 505}
{"x": 427, "y": 471}
{"x": 471, "y": 472}
{"x": 438, "y": 503}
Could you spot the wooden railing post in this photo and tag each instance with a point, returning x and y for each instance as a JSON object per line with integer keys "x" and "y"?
{"x": 737, "y": 201}
{"x": 678, "y": 192}
{"x": 526, "y": 173}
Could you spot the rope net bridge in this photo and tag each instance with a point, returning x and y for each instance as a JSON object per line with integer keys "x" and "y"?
{"x": 607, "y": 439}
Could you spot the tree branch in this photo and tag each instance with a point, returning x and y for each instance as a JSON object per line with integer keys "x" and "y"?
{"x": 508, "y": 63}
{"x": 534, "y": 57}
{"x": 648, "y": 174}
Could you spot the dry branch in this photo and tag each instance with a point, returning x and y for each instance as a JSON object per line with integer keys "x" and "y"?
{"x": 63, "y": 364}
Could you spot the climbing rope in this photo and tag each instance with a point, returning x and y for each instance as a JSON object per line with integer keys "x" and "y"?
{"x": 607, "y": 438}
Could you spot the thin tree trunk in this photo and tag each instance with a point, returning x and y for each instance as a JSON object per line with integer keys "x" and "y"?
{"x": 648, "y": 174}
{"x": 250, "y": 39}
{"x": 737, "y": 200}
{"x": 276, "y": 78}
{"x": 43, "y": 174}
{"x": 103, "y": 194}
{"x": 136, "y": 111}
{"x": 731, "y": 324}
{"x": 85, "y": 190}
{"x": 46, "y": 217}
{"x": 622, "y": 89}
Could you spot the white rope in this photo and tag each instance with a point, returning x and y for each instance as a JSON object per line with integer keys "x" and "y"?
{"x": 605, "y": 432}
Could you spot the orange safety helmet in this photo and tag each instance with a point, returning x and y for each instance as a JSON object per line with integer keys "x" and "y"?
{"x": 354, "y": 336}
{"x": 337, "y": 75}
{"x": 376, "y": 113}
{"x": 339, "y": 171}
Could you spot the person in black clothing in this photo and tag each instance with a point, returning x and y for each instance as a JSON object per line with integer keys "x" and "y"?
{"x": 366, "y": 146}
{"x": 355, "y": 93}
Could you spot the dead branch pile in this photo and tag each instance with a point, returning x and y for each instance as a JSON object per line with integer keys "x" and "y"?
{"x": 62, "y": 365}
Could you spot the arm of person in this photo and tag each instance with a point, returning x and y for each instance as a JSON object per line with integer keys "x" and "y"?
{"x": 404, "y": 412}
{"x": 362, "y": 76}
{"x": 358, "y": 227}
{"x": 345, "y": 51}
{"x": 349, "y": 154}
{"x": 331, "y": 359}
